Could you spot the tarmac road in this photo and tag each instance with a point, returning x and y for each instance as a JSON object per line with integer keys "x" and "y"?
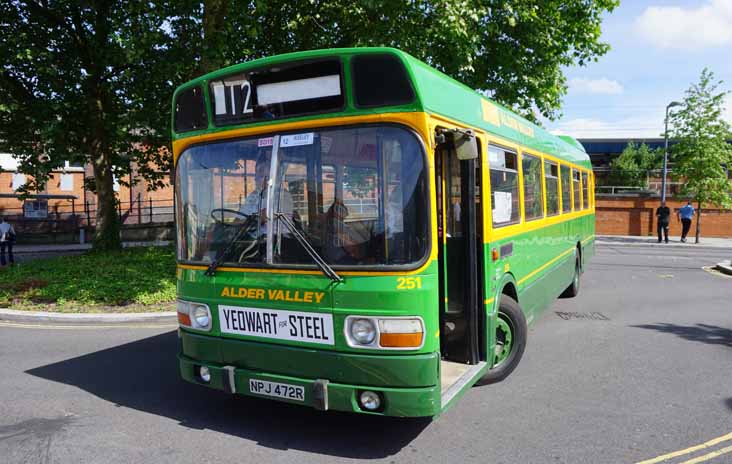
{"x": 637, "y": 366}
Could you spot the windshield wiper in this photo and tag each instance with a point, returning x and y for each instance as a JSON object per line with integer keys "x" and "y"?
{"x": 327, "y": 270}
{"x": 251, "y": 219}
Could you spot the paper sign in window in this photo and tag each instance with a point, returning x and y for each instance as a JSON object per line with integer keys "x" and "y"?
{"x": 502, "y": 204}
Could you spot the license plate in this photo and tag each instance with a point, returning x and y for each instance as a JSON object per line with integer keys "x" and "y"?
{"x": 277, "y": 323}
{"x": 277, "y": 390}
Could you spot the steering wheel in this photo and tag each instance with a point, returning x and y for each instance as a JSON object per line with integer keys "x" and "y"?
{"x": 219, "y": 219}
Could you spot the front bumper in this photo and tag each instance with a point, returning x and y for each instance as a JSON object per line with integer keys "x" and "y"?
{"x": 409, "y": 383}
{"x": 402, "y": 402}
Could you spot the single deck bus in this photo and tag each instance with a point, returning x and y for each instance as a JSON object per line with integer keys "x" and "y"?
{"x": 356, "y": 231}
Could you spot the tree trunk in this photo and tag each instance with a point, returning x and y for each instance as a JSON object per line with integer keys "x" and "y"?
{"x": 107, "y": 232}
{"x": 698, "y": 221}
{"x": 214, "y": 23}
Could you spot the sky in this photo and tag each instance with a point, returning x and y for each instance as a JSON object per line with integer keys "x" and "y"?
{"x": 658, "y": 50}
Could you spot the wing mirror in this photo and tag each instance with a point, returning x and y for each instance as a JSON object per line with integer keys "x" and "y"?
{"x": 465, "y": 143}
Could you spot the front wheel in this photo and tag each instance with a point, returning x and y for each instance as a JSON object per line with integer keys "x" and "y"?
{"x": 511, "y": 334}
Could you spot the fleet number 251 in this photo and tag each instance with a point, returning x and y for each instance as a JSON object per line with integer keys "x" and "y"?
{"x": 408, "y": 283}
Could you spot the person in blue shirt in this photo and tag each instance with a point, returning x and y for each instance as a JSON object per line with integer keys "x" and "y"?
{"x": 685, "y": 214}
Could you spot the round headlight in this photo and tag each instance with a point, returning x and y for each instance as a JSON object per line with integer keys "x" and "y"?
{"x": 370, "y": 400}
{"x": 363, "y": 331}
{"x": 204, "y": 373}
{"x": 200, "y": 315}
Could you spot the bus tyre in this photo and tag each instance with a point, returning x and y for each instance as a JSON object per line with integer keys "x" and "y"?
{"x": 574, "y": 287}
{"x": 511, "y": 334}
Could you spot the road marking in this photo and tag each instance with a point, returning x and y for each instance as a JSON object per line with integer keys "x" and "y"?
{"x": 66, "y": 327}
{"x": 709, "y": 456}
{"x": 691, "y": 449}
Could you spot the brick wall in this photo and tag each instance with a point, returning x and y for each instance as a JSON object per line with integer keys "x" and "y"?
{"x": 129, "y": 197}
{"x": 634, "y": 215}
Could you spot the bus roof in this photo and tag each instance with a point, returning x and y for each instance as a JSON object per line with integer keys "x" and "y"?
{"x": 436, "y": 93}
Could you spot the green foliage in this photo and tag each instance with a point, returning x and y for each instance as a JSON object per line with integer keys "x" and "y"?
{"x": 88, "y": 82}
{"x": 514, "y": 50}
{"x": 133, "y": 279}
{"x": 92, "y": 81}
{"x": 631, "y": 167}
{"x": 701, "y": 151}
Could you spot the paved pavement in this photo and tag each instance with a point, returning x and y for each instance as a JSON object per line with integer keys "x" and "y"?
{"x": 649, "y": 377}
{"x": 633, "y": 240}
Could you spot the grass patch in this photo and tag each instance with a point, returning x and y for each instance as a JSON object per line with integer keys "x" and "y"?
{"x": 130, "y": 280}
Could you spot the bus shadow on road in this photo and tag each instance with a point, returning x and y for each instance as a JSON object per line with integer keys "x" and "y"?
{"x": 703, "y": 333}
{"x": 143, "y": 375}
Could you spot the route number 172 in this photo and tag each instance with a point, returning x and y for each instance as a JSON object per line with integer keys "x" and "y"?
{"x": 408, "y": 283}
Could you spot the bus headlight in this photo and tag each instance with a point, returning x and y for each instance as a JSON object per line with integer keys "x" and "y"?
{"x": 193, "y": 315}
{"x": 391, "y": 333}
{"x": 201, "y": 317}
{"x": 363, "y": 331}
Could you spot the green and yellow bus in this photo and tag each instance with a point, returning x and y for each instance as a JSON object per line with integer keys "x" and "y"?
{"x": 356, "y": 231}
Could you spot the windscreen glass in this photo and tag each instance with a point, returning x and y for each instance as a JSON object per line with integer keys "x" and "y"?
{"x": 357, "y": 195}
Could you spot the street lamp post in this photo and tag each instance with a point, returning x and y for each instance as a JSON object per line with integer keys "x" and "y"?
{"x": 665, "y": 151}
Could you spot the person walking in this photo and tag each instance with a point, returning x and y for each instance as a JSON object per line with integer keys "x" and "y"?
{"x": 663, "y": 214}
{"x": 685, "y": 215}
{"x": 7, "y": 238}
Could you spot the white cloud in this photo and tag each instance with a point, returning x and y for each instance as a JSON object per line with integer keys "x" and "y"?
{"x": 694, "y": 28}
{"x": 595, "y": 86}
{"x": 592, "y": 128}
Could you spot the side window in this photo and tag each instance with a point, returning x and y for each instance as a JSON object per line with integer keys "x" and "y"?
{"x": 551, "y": 176}
{"x": 504, "y": 186}
{"x": 533, "y": 196}
{"x": 566, "y": 190}
{"x": 585, "y": 192}
{"x": 576, "y": 189}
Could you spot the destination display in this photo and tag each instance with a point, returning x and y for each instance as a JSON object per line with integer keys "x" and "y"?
{"x": 277, "y": 92}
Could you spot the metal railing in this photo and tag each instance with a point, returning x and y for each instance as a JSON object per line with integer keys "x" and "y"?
{"x": 70, "y": 215}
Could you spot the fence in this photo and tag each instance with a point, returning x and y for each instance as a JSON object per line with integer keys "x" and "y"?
{"x": 68, "y": 216}
{"x": 618, "y": 181}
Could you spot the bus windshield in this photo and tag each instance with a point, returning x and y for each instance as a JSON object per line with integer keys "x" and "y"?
{"x": 358, "y": 196}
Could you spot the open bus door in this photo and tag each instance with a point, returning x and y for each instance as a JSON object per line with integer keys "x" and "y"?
{"x": 461, "y": 271}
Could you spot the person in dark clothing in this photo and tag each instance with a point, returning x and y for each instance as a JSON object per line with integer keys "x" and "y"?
{"x": 663, "y": 214}
{"x": 7, "y": 238}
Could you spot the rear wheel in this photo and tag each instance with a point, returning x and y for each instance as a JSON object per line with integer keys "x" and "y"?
{"x": 574, "y": 287}
{"x": 511, "y": 333}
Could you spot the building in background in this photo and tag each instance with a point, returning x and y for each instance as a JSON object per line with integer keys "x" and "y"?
{"x": 65, "y": 204}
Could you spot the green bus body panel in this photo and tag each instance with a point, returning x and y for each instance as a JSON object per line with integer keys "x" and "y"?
{"x": 400, "y": 402}
{"x": 551, "y": 247}
{"x": 371, "y": 295}
{"x": 540, "y": 267}
{"x": 374, "y": 370}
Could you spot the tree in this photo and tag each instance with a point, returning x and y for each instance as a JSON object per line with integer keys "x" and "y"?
{"x": 90, "y": 82}
{"x": 701, "y": 152}
{"x": 514, "y": 51}
{"x": 632, "y": 166}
